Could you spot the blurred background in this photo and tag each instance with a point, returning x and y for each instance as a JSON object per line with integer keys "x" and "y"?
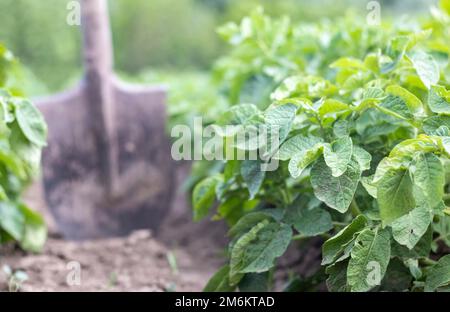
{"x": 173, "y": 42}
{"x": 170, "y": 41}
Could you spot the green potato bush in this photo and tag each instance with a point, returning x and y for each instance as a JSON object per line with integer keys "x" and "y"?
{"x": 363, "y": 114}
{"x": 23, "y": 134}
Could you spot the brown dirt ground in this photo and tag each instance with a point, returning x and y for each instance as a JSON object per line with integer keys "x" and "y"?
{"x": 138, "y": 262}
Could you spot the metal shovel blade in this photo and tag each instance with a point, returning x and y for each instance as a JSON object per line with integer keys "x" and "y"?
{"x": 107, "y": 169}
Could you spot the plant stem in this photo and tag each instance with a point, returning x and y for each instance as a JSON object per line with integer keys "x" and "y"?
{"x": 300, "y": 237}
{"x": 427, "y": 261}
{"x": 354, "y": 208}
{"x": 288, "y": 194}
{"x": 343, "y": 224}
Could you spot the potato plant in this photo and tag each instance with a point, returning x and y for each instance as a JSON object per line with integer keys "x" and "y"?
{"x": 363, "y": 114}
{"x": 23, "y": 134}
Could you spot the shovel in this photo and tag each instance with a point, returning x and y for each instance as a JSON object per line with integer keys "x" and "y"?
{"x": 107, "y": 169}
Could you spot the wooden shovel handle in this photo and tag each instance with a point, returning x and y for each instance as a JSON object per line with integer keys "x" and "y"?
{"x": 99, "y": 90}
{"x": 97, "y": 50}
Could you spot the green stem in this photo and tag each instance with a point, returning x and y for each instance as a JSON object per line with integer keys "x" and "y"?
{"x": 427, "y": 261}
{"x": 300, "y": 237}
{"x": 342, "y": 224}
{"x": 322, "y": 129}
{"x": 288, "y": 194}
{"x": 285, "y": 197}
{"x": 354, "y": 208}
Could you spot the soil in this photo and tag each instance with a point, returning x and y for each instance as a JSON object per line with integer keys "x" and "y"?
{"x": 181, "y": 256}
{"x": 136, "y": 263}
{"x": 140, "y": 262}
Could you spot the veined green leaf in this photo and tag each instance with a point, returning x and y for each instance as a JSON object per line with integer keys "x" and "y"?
{"x": 439, "y": 274}
{"x": 421, "y": 249}
{"x": 338, "y": 155}
{"x": 341, "y": 128}
{"x": 253, "y": 176}
{"x": 409, "y": 147}
{"x": 362, "y": 157}
{"x": 220, "y": 282}
{"x": 308, "y": 221}
{"x": 428, "y": 174}
{"x": 257, "y": 250}
{"x": 302, "y": 103}
{"x": 295, "y": 145}
{"x": 336, "y": 192}
{"x": 414, "y": 269}
{"x": 413, "y": 103}
{"x": 373, "y": 93}
{"x": 203, "y": 197}
{"x": 439, "y": 100}
{"x": 238, "y": 114}
{"x": 369, "y": 186}
{"x": 331, "y": 107}
{"x": 385, "y": 165}
{"x": 337, "y": 277}
{"x": 302, "y": 86}
{"x": 248, "y": 221}
{"x": 278, "y": 120}
{"x": 35, "y": 230}
{"x": 369, "y": 259}
{"x": 395, "y": 195}
{"x": 281, "y": 116}
{"x": 395, "y": 106}
{"x": 432, "y": 124}
{"x": 31, "y": 122}
{"x": 409, "y": 228}
{"x": 426, "y": 67}
{"x": 335, "y": 245}
{"x": 303, "y": 159}
{"x": 12, "y": 220}
{"x": 396, "y": 50}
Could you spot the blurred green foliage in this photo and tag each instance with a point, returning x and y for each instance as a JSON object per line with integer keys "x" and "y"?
{"x": 37, "y": 33}
{"x": 23, "y": 134}
{"x": 158, "y": 34}
{"x": 169, "y": 33}
{"x": 191, "y": 93}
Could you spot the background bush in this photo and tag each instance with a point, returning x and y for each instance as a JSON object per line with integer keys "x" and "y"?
{"x": 158, "y": 34}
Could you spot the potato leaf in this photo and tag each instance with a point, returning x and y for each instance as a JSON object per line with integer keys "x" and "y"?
{"x": 369, "y": 259}
{"x": 335, "y": 192}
